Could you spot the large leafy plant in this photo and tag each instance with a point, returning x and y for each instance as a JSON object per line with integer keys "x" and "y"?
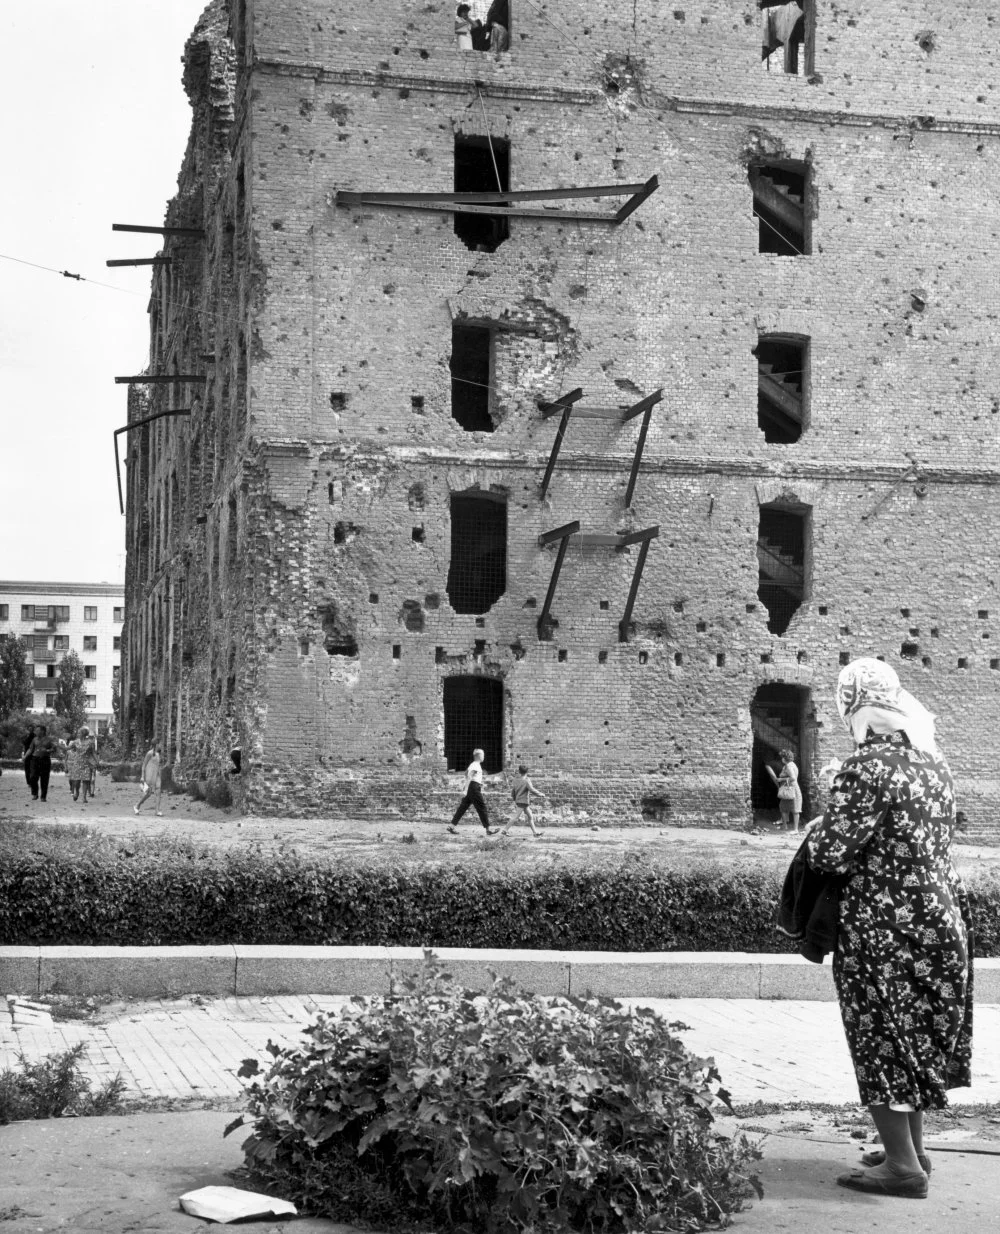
{"x": 500, "y": 1111}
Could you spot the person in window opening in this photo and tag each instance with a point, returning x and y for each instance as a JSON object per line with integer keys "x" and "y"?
{"x": 903, "y": 960}
{"x": 473, "y": 796}
{"x": 498, "y": 24}
{"x": 40, "y": 754}
{"x": 789, "y": 793}
{"x": 465, "y": 24}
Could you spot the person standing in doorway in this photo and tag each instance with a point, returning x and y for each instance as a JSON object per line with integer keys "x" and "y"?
{"x": 152, "y": 783}
{"x": 40, "y": 755}
{"x": 789, "y": 793}
{"x": 473, "y": 796}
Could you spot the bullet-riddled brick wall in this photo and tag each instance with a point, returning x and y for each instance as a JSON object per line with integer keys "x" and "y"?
{"x": 342, "y": 473}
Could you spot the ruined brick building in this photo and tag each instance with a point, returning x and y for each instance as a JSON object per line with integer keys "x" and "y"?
{"x": 340, "y": 557}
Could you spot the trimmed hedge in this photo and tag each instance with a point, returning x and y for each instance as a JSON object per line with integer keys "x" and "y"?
{"x": 103, "y": 895}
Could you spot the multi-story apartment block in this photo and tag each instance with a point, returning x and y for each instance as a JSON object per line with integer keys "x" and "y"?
{"x": 589, "y": 393}
{"x": 56, "y": 618}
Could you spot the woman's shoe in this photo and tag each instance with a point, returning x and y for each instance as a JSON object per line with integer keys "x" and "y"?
{"x": 906, "y": 1186}
{"x": 878, "y": 1157}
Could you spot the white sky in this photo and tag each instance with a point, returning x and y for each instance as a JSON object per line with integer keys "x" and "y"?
{"x": 95, "y": 126}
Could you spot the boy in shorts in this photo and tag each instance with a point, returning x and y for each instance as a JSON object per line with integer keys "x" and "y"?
{"x": 522, "y": 791}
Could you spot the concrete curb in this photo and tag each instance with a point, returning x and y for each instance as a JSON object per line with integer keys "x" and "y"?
{"x": 253, "y": 971}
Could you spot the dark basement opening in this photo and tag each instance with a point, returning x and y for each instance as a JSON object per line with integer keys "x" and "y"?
{"x": 473, "y": 717}
{"x": 476, "y": 171}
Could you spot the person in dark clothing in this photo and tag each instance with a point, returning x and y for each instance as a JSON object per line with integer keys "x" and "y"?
{"x": 473, "y": 795}
{"x": 29, "y": 737}
{"x": 40, "y": 754}
{"x": 498, "y": 24}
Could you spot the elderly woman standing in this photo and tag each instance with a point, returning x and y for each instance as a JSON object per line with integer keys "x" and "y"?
{"x": 789, "y": 793}
{"x": 903, "y": 964}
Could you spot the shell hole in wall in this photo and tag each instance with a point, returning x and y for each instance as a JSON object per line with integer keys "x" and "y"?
{"x": 338, "y": 400}
{"x": 602, "y": 657}
{"x": 720, "y": 659}
{"x": 909, "y": 651}
{"x": 563, "y": 655}
{"x": 604, "y": 605}
{"x": 373, "y": 597}
{"x": 926, "y": 662}
{"x": 983, "y": 614}
{"x": 963, "y": 662}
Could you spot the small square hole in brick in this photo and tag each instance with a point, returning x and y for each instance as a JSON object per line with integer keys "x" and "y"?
{"x": 926, "y": 662}
{"x": 678, "y": 658}
{"x": 823, "y": 610}
{"x": 909, "y": 651}
{"x": 701, "y": 627}
{"x": 720, "y": 659}
{"x": 678, "y": 606}
{"x": 602, "y": 657}
{"x": 963, "y": 662}
{"x": 904, "y": 612}
{"x": 802, "y": 656}
{"x": 935, "y": 633}
{"x": 983, "y": 614}
{"x": 417, "y": 402}
{"x": 417, "y": 535}
{"x": 995, "y": 664}
{"x": 480, "y": 623}
{"x": 765, "y": 657}
{"x": 373, "y": 597}
{"x": 397, "y": 651}
{"x": 751, "y": 608}
{"x": 338, "y": 400}
{"x": 604, "y": 604}
{"x": 643, "y": 657}
{"x": 563, "y": 655}
{"x": 845, "y": 657}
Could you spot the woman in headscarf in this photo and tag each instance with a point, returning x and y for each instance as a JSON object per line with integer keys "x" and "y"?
{"x": 903, "y": 963}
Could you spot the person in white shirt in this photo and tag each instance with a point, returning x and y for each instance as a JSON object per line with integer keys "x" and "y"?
{"x": 473, "y": 795}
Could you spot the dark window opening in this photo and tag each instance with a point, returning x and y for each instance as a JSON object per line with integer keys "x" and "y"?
{"x": 781, "y": 559}
{"x": 417, "y": 535}
{"x": 471, "y": 373}
{"x": 781, "y": 371}
{"x": 785, "y": 36}
{"x": 779, "y": 196}
{"x": 338, "y": 632}
{"x": 909, "y": 651}
{"x": 778, "y": 718}
{"x": 477, "y": 575}
{"x": 473, "y": 719}
{"x": 479, "y": 161}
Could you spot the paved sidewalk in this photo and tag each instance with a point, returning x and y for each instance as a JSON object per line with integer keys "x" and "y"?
{"x": 190, "y": 1048}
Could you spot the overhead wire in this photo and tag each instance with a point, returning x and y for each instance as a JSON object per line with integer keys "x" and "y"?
{"x": 79, "y": 278}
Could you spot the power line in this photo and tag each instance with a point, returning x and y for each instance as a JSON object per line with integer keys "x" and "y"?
{"x": 79, "y": 278}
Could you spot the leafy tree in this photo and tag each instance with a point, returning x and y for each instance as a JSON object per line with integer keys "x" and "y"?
{"x": 15, "y": 676}
{"x": 71, "y": 691}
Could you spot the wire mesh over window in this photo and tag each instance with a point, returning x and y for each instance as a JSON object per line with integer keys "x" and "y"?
{"x": 781, "y": 549}
{"x": 471, "y": 373}
{"x": 477, "y": 169}
{"x": 776, "y": 716}
{"x": 473, "y": 717}
{"x": 477, "y": 576}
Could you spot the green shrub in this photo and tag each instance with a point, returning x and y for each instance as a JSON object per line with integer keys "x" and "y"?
{"x": 55, "y": 1087}
{"x": 219, "y": 794}
{"x": 498, "y": 1112}
{"x": 122, "y": 772}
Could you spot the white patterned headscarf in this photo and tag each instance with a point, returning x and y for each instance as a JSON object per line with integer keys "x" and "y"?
{"x": 869, "y": 696}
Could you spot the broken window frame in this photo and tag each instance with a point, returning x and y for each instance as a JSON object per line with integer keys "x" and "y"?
{"x": 470, "y": 325}
{"x": 770, "y": 565}
{"x": 471, "y": 226}
{"x": 772, "y": 391}
{"x": 781, "y": 218}
{"x": 798, "y": 56}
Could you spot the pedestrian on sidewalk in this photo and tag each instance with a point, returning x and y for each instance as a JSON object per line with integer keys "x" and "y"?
{"x": 26, "y": 741}
{"x": 152, "y": 782}
{"x": 88, "y": 764}
{"x": 39, "y": 755}
{"x": 473, "y": 796}
{"x": 522, "y": 790}
{"x": 74, "y": 763}
{"x": 903, "y": 959}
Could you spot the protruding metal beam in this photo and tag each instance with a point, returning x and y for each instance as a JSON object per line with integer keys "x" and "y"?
{"x": 562, "y": 534}
{"x": 159, "y": 415}
{"x": 566, "y": 402}
{"x": 637, "y": 457}
{"x": 162, "y": 379}
{"x": 633, "y": 203}
{"x": 347, "y": 198}
{"x": 643, "y": 404}
{"x": 160, "y": 231}
{"x": 139, "y": 261}
{"x": 648, "y": 537}
{"x": 636, "y": 537}
{"x": 563, "y": 401}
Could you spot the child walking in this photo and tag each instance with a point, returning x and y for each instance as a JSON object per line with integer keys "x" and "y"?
{"x": 522, "y": 791}
{"x": 473, "y": 796}
{"x": 151, "y": 781}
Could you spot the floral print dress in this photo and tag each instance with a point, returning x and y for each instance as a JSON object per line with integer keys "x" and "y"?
{"x": 903, "y": 963}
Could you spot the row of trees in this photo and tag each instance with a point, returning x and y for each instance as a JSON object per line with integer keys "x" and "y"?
{"x": 69, "y": 688}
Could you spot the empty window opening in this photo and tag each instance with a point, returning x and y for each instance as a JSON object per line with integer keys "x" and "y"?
{"x": 563, "y": 655}
{"x": 781, "y": 385}
{"x": 479, "y": 163}
{"x": 963, "y": 662}
{"x": 477, "y": 575}
{"x": 779, "y": 194}
{"x": 471, "y": 377}
{"x": 397, "y": 651}
{"x": 338, "y": 632}
{"x": 338, "y": 400}
{"x": 417, "y": 402}
{"x": 417, "y": 535}
{"x": 603, "y": 605}
{"x": 473, "y": 719}
{"x": 909, "y": 651}
{"x": 678, "y": 658}
{"x": 785, "y": 36}
{"x": 602, "y": 657}
{"x": 779, "y": 717}
{"x": 781, "y": 558}
{"x": 845, "y": 657}
{"x": 643, "y": 657}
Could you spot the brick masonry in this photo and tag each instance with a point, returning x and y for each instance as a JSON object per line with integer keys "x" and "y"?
{"x": 279, "y": 517}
